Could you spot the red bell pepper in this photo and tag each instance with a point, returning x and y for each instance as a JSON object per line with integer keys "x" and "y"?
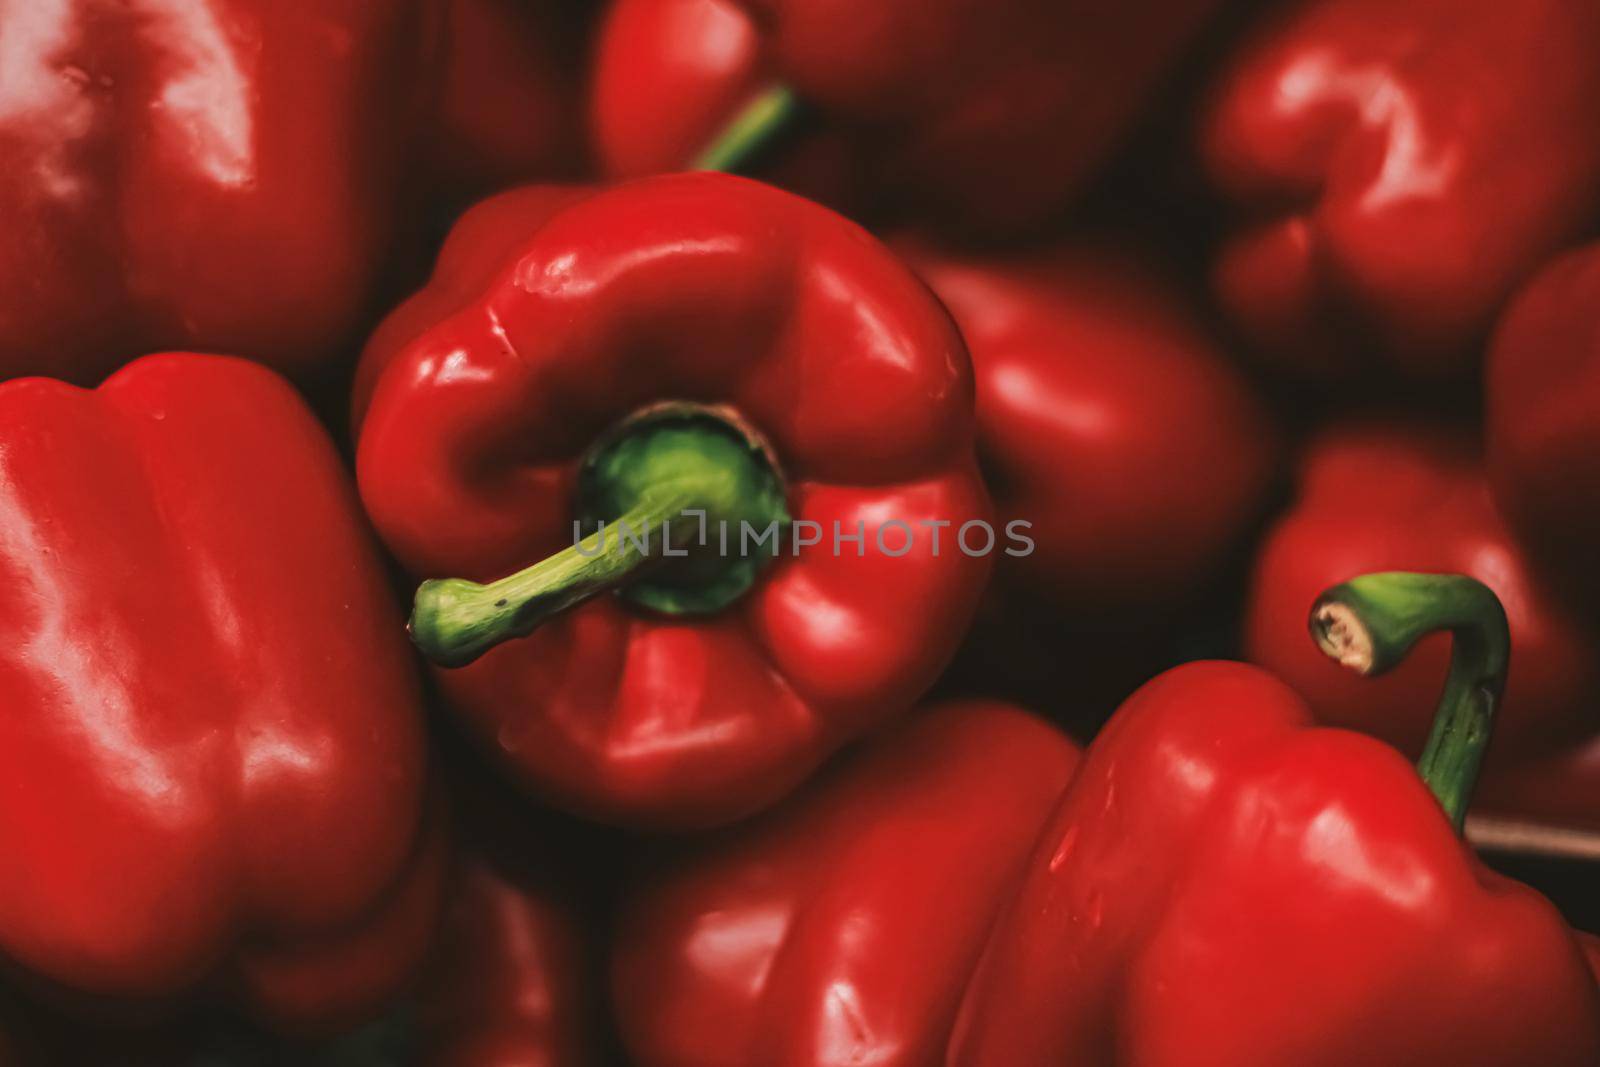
{"x": 983, "y": 115}
{"x": 841, "y": 928}
{"x": 688, "y": 64}
{"x": 212, "y": 744}
{"x": 687, "y": 342}
{"x": 1405, "y": 163}
{"x": 219, "y": 176}
{"x": 1542, "y": 408}
{"x": 1415, "y": 497}
{"x": 510, "y": 105}
{"x": 1224, "y": 883}
{"x": 1108, "y": 421}
{"x": 671, "y": 75}
{"x": 513, "y": 980}
{"x": 511, "y": 984}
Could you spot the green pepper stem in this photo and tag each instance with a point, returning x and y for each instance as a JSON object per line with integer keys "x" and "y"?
{"x": 667, "y": 473}
{"x": 1368, "y": 624}
{"x": 454, "y": 621}
{"x": 752, "y": 130}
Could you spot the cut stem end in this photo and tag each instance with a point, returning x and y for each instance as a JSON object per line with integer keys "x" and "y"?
{"x": 1369, "y": 624}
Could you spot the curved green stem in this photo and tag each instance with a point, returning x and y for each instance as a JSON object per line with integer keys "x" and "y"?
{"x": 752, "y": 130}
{"x": 454, "y": 621}
{"x": 654, "y": 483}
{"x": 1369, "y": 623}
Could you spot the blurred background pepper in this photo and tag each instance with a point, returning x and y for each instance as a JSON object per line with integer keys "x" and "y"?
{"x": 217, "y": 176}
{"x": 1397, "y": 168}
{"x": 971, "y": 118}
{"x": 815, "y": 934}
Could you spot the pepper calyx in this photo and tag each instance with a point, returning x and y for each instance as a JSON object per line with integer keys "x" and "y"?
{"x": 673, "y": 495}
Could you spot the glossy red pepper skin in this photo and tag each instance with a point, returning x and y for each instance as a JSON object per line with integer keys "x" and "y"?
{"x": 841, "y": 928}
{"x": 1223, "y": 883}
{"x": 1109, "y": 421}
{"x": 512, "y": 984}
{"x": 316, "y": 987}
{"x": 712, "y": 289}
{"x": 669, "y": 75}
{"x": 984, "y": 116}
{"x": 1393, "y": 496}
{"x": 688, "y": 64}
{"x": 216, "y": 176}
{"x": 183, "y": 565}
{"x": 509, "y": 106}
{"x": 1403, "y": 165}
{"x": 1542, "y": 421}
{"x": 476, "y": 249}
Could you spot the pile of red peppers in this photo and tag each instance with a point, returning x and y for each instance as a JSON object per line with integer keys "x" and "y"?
{"x": 800, "y": 533}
